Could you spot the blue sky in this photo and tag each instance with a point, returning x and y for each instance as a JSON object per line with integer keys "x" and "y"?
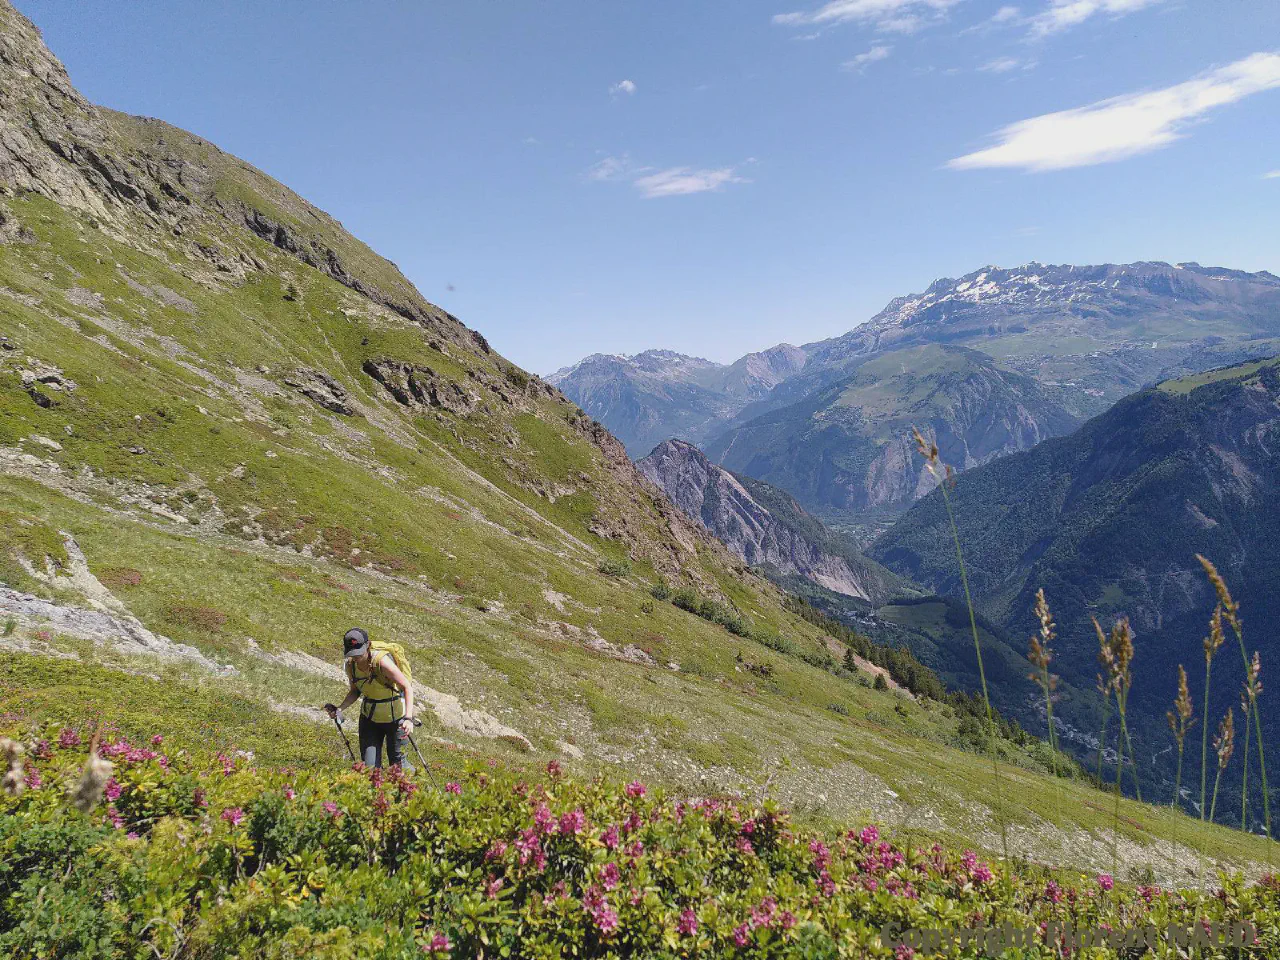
{"x": 715, "y": 177}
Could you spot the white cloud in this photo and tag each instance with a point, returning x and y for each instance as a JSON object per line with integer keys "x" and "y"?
{"x": 1062, "y": 14}
{"x": 680, "y": 181}
{"x": 909, "y": 23}
{"x": 1005, "y": 14}
{"x": 862, "y": 11}
{"x": 614, "y": 168}
{"x": 1122, "y": 126}
{"x": 671, "y": 182}
{"x": 1273, "y": 175}
{"x": 1000, "y": 65}
{"x": 623, "y": 86}
{"x": 863, "y": 60}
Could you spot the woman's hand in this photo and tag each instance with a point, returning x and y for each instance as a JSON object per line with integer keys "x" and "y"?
{"x": 406, "y": 726}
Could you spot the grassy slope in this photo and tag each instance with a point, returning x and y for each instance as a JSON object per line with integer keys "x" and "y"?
{"x": 474, "y": 540}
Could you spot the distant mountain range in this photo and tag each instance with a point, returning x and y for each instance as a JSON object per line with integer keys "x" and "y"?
{"x": 1108, "y": 521}
{"x": 989, "y": 363}
{"x": 765, "y": 526}
{"x": 660, "y": 394}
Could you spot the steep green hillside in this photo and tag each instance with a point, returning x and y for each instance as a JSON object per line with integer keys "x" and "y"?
{"x": 1108, "y": 521}
{"x": 844, "y": 451}
{"x": 229, "y": 430}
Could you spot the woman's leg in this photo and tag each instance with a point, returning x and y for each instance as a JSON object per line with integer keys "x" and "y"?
{"x": 397, "y": 742}
{"x": 371, "y": 735}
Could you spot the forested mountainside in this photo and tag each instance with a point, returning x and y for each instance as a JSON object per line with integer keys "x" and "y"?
{"x": 1109, "y": 519}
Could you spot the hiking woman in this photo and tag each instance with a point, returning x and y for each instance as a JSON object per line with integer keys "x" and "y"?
{"x": 379, "y": 673}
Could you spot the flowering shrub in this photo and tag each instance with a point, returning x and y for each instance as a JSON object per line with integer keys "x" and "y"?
{"x": 186, "y": 859}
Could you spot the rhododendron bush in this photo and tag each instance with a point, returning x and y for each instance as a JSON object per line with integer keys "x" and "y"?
{"x": 177, "y": 858}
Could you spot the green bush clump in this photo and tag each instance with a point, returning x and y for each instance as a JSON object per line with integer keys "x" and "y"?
{"x": 707, "y": 609}
{"x": 615, "y": 568}
{"x": 195, "y": 860}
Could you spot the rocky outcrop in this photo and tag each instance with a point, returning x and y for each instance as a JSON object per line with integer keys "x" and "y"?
{"x": 420, "y": 386}
{"x": 761, "y": 536}
{"x": 320, "y": 388}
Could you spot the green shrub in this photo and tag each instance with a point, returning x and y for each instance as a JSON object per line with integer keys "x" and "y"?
{"x": 615, "y": 568}
{"x": 184, "y": 857}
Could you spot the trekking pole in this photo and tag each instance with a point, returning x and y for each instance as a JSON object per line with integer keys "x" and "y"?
{"x": 342, "y": 733}
{"x": 421, "y": 759}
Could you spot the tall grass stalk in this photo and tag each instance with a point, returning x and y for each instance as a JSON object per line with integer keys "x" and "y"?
{"x": 1244, "y": 777}
{"x": 1232, "y": 612}
{"x": 1252, "y": 690}
{"x": 1040, "y": 654}
{"x": 1181, "y": 719}
{"x": 1104, "y": 688}
{"x": 1211, "y": 644}
{"x": 1223, "y": 745}
{"x": 1116, "y": 653}
{"x": 943, "y": 474}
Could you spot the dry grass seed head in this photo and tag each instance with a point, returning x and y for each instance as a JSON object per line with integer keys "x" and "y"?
{"x": 1229, "y": 607}
{"x": 1225, "y": 741}
{"x": 87, "y": 793}
{"x": 1215, "y": 638}
{"x": 12, "y": 783}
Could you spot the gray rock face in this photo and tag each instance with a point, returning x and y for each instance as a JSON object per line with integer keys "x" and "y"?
{"x": 760, "y": 524}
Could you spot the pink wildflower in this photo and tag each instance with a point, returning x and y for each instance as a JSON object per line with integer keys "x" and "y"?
{"x": 610, "y": 838}
{"x": 1105, "y": 881}
{"x": 495, "y": 885}
{"x": 607, "y": 920}
{"x": 635, "y": 789}
{"x": 740, "y": 935}
{"x": 981, "y": 873}
{"x": 289, "y": 793}
{"x": 903, "y": 952}
{"x": 610, "y": 876}
{"x": 157, "y": 740}
{"x": 233, "y": 816}
{"x": 68, "y": 738}
{"x": 543, "y": 819}
{"x": 33, "y": 779}
{"x": 636, "y": 850}
{"x": 453, "y": 787}
{"x": 631, "y": 824}
{"x": 554, "y": 769}
{"x": 199, "y": 798}
{"x": 439, "y": 944}
{"x": 575, "y": 821}
{"x": 497, "y": 850}
{"x": 869, "y": 836}
{"x": 112, "y": 790}
{"x": 687, "y": 926}
{"x": 749, "y": 827}
{"x": 745, "y": 847}
{"x": 331, "y": 809}
{"x": 1053, "y": 892}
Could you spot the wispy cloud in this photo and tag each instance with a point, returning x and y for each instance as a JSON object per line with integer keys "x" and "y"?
{"x": 889, "y": 14}
{"x": 1005, "y": 14}
{"x": 1122, "y": 126}
{"x": 909, "y": 23}
{"x": 614, "y": 168}
{"x": 1273, "y": 175}
{"x": 1062, "y": 14}
{"x": 680, "y": 181}
{"x": 671, "y": 182}
{"x": 860, "y": 63}
{"x": 623, "y": 86}
{"x": 1000, "y": 65}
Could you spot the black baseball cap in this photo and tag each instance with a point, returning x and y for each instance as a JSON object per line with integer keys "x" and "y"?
{"x": 355, "y": 642}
